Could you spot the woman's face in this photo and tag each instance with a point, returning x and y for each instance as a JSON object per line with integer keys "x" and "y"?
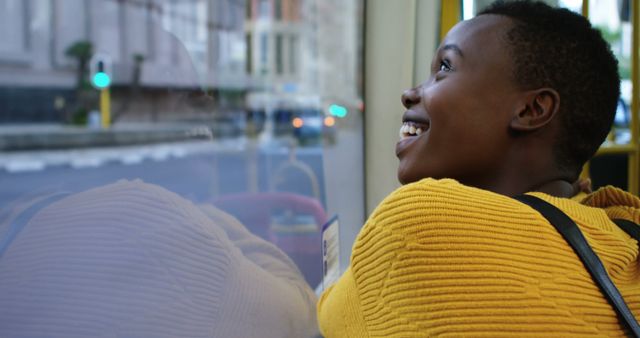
{"x": 457, "y": 122}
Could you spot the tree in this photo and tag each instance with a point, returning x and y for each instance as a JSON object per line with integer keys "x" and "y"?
{"x": 86, "y": 97}
{"x": 81, "y": 51}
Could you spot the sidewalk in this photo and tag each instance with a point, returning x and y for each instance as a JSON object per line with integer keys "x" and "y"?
{"x": 55, "y": 136}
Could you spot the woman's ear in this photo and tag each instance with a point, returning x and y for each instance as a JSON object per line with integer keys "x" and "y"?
{"x": 539, "y": 107}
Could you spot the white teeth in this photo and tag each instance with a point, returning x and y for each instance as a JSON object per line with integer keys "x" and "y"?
{"x": 403, "y": 131}
{"x": 408, "y": 129}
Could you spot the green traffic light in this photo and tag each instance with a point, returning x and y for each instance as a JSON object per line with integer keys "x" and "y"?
{"x": 101, "y": 80}
{"x": 337, "y": 110}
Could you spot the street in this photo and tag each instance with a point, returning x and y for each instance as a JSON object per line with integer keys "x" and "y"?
{"x": 199, "y": 171}
{"x": 203, "y": 171}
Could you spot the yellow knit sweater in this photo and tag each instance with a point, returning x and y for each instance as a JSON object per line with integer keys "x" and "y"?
{"x": 437, "y": 258}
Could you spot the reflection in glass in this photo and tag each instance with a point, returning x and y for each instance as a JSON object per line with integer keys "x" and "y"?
{"x": 220, "y": 162}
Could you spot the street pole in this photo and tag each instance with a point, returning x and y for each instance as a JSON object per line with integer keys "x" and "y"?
{"x": 105, "y": 108}
{"x": 101, "y": 70}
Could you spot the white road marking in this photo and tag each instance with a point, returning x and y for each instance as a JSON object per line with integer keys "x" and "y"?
{"x": 25, "y": 165}
{"x": 26, "y": 161}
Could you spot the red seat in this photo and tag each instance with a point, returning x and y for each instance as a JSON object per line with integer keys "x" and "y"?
{"x": 262, "y": 214}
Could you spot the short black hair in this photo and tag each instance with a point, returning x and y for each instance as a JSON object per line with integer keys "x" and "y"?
{"x": 557, "y": 48}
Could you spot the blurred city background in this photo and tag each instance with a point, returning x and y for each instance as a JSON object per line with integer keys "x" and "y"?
{"x": 233, "y": 102}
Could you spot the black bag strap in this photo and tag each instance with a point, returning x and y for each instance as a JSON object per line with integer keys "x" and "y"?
{"x": 632, "y": 229}
{"x": 571, "y": 233}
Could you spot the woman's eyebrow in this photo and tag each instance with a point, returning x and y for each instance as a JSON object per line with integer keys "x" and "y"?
{"x": 454, "y": 48}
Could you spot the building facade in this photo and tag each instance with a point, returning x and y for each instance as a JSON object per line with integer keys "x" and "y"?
{"x": 296, "y": 53}
{"x": 185, "y": 47}
{"x": 178, "y": 59}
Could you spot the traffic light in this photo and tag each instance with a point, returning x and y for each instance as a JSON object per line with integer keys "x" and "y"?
{"x": 100, "y": 71}
{"x": 337, "y": 110}
{"x": 100, "y": 78}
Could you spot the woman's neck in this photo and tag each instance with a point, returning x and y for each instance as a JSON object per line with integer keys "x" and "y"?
{"x": 557, "y": 187}
{"x": 515, "y": 182}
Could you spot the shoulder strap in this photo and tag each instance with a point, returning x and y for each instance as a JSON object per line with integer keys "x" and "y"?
{"x": 632, "y": 229}
{"x": 571, "y": 233}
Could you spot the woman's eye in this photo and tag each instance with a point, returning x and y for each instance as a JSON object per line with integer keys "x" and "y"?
{"x": 445, "y": 66}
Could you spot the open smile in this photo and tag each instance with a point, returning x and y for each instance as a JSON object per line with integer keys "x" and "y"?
{"x": 412, "y": 129}
{"x": 409, "y": 132}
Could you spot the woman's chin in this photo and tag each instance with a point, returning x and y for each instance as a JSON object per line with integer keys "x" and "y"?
{"x": 406, "y": 174}
{"x": 404, "y": 177}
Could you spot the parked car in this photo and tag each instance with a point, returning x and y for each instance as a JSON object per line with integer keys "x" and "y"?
{"x": 308, "y": 125}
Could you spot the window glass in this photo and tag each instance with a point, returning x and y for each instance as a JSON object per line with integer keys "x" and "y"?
{"x": 173, "y": 162}
{"x": 12, "y": 24}
{"x": 279, "y": 56}
{"x": 471, "y": 7}
{"x": 264, "y": 51}
{"x": 278, "y": 9}
{"x": 249, "y": 54}
{"x": 293, "y": 52}
{"x": 265, "y": 8}
{"x": 613, "y": 19}
{"x": 574, "y": 5}
{"x": 248, "y": 9}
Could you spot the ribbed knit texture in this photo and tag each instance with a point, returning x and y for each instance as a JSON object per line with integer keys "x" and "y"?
{"x": 135, "y": 260}
{"x": 437, "y": 258}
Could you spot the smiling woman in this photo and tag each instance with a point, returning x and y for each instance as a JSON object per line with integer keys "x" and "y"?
{"x": 452, "y": 252}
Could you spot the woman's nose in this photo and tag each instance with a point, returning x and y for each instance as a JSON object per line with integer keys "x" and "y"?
{"x": 410, "y": 97}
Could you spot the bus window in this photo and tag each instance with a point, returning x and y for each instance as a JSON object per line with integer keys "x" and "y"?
{"x": 185, "y": 139}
